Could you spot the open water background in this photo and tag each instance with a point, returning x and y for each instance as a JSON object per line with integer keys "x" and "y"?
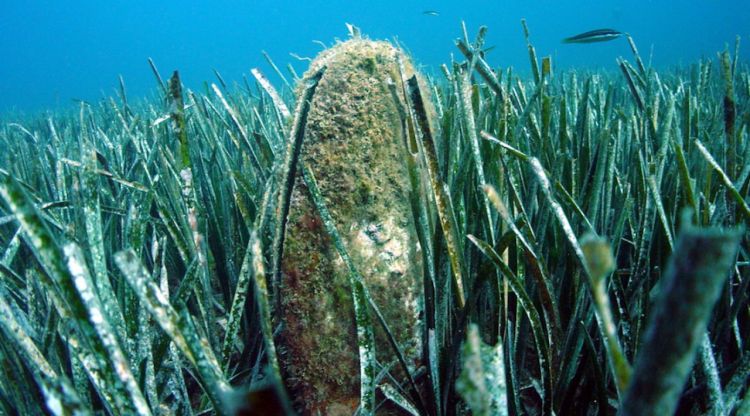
{"x": 54, "y": 52}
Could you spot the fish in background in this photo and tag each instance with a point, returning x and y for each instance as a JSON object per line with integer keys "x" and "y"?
{"x": 592, "y": 36}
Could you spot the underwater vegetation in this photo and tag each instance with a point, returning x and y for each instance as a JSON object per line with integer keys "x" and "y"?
{"x": 568, "y": 243}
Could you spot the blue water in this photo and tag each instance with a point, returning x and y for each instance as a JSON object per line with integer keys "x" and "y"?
{"x": 52, "y": 52}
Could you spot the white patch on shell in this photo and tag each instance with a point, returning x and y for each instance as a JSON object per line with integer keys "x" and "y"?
{"x": 386, "y": 244}
{"x": 385, "y": 240}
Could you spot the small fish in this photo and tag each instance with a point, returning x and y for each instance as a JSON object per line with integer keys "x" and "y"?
{"x": 598, "y": 35}
{"x": 431, "y": 13}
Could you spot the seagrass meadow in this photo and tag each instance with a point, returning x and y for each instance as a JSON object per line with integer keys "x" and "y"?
{"x": 580, "y": 244}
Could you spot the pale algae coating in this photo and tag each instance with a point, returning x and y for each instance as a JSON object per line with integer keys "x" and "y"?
{"x": 355, "y": 147}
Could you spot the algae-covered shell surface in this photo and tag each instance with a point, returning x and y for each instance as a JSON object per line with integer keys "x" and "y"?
{"x": 355, "y": 146}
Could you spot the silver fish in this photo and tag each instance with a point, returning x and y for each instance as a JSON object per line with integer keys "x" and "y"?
{"x": 598, "y": 35}
{"x": 431, "y": 13}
